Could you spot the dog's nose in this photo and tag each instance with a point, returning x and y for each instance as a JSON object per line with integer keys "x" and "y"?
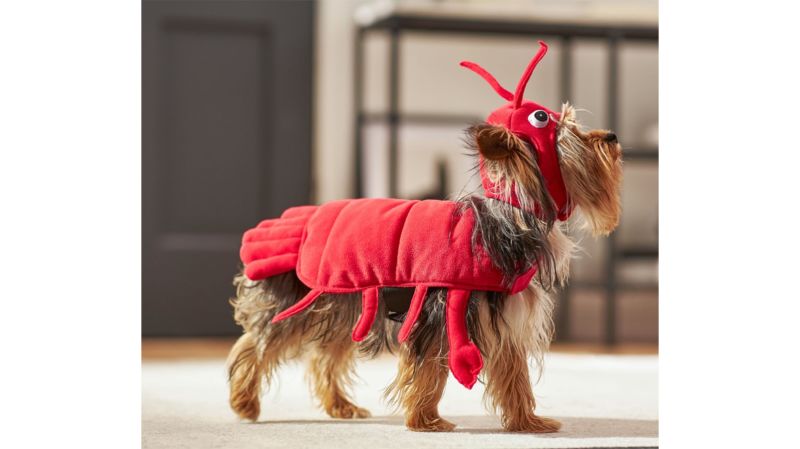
{"x": 611, "y": 137}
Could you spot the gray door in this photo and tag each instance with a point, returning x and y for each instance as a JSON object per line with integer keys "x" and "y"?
{"x": 226, "y": 142}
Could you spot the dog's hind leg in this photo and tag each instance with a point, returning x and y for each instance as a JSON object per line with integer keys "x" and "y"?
{"x": 263, "y": 347}
{"x": 244, "y": 375}
{"x": 252, "y": 363}
{"x": 331, "y": 374}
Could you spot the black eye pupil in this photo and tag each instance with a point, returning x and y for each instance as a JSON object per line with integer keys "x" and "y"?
{"x": 540, "y": 116}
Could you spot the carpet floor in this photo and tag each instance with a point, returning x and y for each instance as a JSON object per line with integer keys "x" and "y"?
{"x": 602, "y": 401}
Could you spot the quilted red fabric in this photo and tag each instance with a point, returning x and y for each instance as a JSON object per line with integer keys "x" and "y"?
{"x": 365, "y": 244}
{"x": 396, "y": 243}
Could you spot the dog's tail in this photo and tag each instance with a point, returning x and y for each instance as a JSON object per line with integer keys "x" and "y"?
{"x": 244, "y": 376}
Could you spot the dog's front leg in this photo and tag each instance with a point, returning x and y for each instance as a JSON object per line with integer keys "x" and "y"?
{"x": 509, "y": 388}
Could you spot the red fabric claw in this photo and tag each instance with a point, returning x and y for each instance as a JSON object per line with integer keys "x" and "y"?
{"x": 266, "y": 249}
{"x": 264, "y": 268}
{"x": 271, "y": 233}
{"x": 464, "y": 358}
{"x": 273, "y": 246}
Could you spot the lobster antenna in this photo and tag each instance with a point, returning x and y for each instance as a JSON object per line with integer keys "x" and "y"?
{"x": 520, "y": 92}
{"x": 489, "y": 79}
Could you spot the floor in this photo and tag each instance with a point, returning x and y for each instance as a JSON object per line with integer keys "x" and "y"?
{"x": 607, "y": 400}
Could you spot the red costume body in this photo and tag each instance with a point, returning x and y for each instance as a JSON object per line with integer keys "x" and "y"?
{"x": 362, "y": 245}
{"x": 366, "y": 244}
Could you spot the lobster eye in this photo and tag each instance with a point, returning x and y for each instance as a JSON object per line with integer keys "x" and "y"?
{"x": 539, "y": 118}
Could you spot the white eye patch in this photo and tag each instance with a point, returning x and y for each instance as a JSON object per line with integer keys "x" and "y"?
{"x": 539, "y": 118}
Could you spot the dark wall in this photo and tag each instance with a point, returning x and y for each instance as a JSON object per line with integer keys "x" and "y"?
{"x": 226, "y": 142}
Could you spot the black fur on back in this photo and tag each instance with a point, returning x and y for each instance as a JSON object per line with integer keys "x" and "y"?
{"x": 515, "y": 239}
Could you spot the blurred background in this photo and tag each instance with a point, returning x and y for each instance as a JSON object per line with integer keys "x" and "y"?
{"x": 250, "y": 107}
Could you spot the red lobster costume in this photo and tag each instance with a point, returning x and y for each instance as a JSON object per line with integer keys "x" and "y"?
{"x": 363, "y": 245}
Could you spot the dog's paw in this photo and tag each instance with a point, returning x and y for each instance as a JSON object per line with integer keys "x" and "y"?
{"x": 437, "y": 424}
{"x": 348, "y": 411}
{"x": 535, "y": 424}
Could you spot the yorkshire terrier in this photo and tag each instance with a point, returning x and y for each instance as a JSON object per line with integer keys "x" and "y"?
{"x": 509, "y": 330}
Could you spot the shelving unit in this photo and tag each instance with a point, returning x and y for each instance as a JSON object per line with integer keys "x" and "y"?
{"x": 399, "y": 24}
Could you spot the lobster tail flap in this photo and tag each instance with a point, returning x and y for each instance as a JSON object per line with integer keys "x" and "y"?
{"x": 413, "y": 312}
{"x": 299, "y": 306}
{"x": 369, "y": 308}
{"x": 273, "y": 247}
{"x": 464, "y": 358}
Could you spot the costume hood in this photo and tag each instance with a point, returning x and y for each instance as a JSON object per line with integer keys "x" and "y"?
{"x": 533, "y": 123}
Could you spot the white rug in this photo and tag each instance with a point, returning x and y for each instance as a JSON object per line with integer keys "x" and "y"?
{"x": 602, "y": 400}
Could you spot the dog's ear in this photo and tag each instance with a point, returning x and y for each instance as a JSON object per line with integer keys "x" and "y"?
{"x": 496, "y": 142}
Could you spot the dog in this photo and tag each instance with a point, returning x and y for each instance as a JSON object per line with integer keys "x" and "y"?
{"x": 519, "y": 224}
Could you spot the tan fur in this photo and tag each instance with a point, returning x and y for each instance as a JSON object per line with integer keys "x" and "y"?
{"x": 264, "y": 347}
{"x": 245, "y": 378}
{"x": 592, "y": 172}
{"x": 331, "y": 374}
{"x": 508, "y": 389}
{"x": 563, "y": 251}
{"x": 419, "y": 388}
{"x": 525, "y": 334}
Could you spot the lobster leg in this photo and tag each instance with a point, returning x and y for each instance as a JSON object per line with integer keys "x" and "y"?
{"x": 369, "y": 308}
{"x": 299, "y": 306}
{"x": 464, "y": 358}
{"x": 413, "y": 312}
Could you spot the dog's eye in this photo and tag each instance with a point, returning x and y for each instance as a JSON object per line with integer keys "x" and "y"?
{"x": 539, "y": 118}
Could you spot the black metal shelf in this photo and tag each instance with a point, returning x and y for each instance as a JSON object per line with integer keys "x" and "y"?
{"x": 641, "y": 252}
{"x": 419, "y": 118}
{"x": 511, "y": 27}
{"x": 627, "y": 286}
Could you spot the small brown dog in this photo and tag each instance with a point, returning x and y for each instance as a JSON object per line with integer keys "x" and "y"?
{"x": 507, "y": 332}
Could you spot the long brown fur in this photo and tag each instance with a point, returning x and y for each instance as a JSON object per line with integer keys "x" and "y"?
{"x": 422, "y": 369}
{"x": 508, "y": 331}
{"x": 525, "y": 334}
{"x": 592, "y": 171}
{"x": 331, "y": 369}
